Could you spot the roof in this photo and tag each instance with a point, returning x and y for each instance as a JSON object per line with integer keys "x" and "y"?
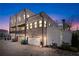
{"x": 3, "y": 30}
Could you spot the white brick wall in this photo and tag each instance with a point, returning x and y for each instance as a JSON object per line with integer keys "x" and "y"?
{"x": 57, "y": 36}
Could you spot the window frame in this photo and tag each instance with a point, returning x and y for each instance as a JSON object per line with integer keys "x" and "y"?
{"x": 35, "y": 24}
{"x": 45, "y": 23}
{"x": 31, "y": 25}
{"x": 27, "y": 26}
{"x": 40, "y": 23}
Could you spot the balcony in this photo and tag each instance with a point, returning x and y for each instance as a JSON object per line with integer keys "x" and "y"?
{"x": 12, "y": 30}
{"x": 20, "y": 20}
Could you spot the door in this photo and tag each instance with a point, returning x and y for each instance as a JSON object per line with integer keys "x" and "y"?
{"x": 34, "y": 41}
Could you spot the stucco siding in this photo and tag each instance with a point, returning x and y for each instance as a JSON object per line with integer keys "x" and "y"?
{"x": 54, "y": 35}
{"x": 67, "y": 36}
{"x": 34, "y": 41}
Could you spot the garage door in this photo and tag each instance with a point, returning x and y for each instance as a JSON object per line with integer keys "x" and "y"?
{"x": 34, "y": 41}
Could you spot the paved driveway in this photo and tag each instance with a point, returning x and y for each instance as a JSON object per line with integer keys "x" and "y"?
{"x": 8, "y": 48}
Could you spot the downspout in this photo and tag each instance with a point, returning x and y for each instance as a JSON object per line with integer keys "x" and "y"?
{"x": 42, "y": 30}
{"x": 25, "y": 21}
{"x": 16, "y": 27}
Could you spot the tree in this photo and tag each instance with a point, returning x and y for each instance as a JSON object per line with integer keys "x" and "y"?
{"x": 65, "y": 25}
{"x": 75, "y": 39}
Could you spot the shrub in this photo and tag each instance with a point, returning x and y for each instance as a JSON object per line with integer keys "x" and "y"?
{"x": 73, "y": 49}
{"x": 54, "y": 45}
{"x": 75, "y": 40}
{"x": 24, "y": 41}
{"x": 66, "y": 46}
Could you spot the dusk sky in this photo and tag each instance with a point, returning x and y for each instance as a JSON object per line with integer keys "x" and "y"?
{"x": 55, "y": 11}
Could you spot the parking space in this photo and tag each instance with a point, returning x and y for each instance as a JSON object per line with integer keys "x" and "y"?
{"x": 8, "y": 48}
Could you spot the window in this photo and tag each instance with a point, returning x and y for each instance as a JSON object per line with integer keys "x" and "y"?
{"x": 35, "y": 24}
{"x": 30, "y": 25}
{"x": 14, "y": 20}
{"x": 22, "y": 28}
{"x": 44, "y": 23}
{"x": 11, "y": 21}
{"x": 24, "y": 16}
{"x": 27, "y": 26}
{"x": 40, "y": 23}
{"x": 27, "y": 16}
{"x": 12, "y": 29}
{"x": 49, "y": 24}
{"x": 17, "y": 28}
{"x": 19, "y": 19}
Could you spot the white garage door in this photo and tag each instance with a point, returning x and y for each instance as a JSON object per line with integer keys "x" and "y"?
{"x": 34, "y": 41}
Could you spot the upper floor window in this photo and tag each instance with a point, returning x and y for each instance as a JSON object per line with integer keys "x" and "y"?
{"x": 11, "y": 21}
{"x": 12, "y": 29}
{"x": 27, "y": 16}
{"x": 22, "y": 28}
{"x": 30, "y": 25}
{"x": 44, "y": 23}
{"x": 40, "y": 23}
{"x": 27, "y": 26}
{"x": 24, "y": 16}
{"x": 19, "y": 19}
{"x": 49, "y": 24}
{"x": 35, "y": 24}
{"x": 14, "y": 20}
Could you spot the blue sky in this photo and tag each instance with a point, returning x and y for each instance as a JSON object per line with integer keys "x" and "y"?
{"x": 55, "y": 11}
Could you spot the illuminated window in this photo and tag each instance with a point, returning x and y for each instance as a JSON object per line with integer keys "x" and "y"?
{"x": 27, "y": 16}
{"x": 49, "y": 24}
{"x": 24, "y": 16}
{"x": 44, "y": 23}
{"x": 19, "y": 19}
{"x": 40, "y": 23}
{"x": 22, "y": 28}
{"x": 27, "y": 26}
{"x": 30, "y": 25}
{"x": 35, "y": 24}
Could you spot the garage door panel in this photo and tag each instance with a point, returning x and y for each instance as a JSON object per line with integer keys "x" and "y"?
{"x": 34, "y": 41}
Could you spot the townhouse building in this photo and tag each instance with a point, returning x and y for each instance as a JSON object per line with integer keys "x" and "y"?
{"x": 37, "y": 28}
